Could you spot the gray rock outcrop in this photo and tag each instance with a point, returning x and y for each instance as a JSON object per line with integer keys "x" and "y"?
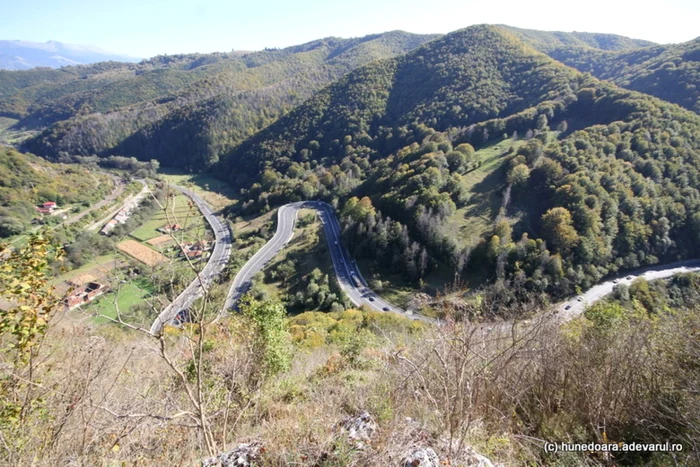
{"x": 243, "y": 455}
{"x": 423, "y": 457}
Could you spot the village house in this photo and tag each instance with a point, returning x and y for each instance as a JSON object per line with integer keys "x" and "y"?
{"x": 47, "y": 208}
{"x": 109, "y": 226}
{"x": 85, "y": 294}
{"x": 193, "y": 254}
{"x": 199, "y": 245}
{"x": 169, "y": 228}
{"x": 195, "y": 250}
{"x": 120, "y": 218}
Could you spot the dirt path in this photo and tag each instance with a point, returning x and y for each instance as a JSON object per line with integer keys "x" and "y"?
{"x": 129, "y": 200}
{"x": 119, "y": 186}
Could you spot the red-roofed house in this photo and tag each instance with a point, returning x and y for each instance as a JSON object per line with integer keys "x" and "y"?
{"x": 85, "y": 294}
{"x": 47, "y": 208}
{"x": 170, "y": 228}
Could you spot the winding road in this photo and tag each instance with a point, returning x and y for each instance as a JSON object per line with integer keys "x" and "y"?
{"x": 574, "y": 307}
{"x": 348, "y": 274}
{"x": 216, "y": 263}
{"x": 351, "y": 280}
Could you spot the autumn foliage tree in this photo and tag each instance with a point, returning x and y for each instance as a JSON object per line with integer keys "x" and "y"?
{"x": 558, "y": 229}
{"x": 24, "y": 285}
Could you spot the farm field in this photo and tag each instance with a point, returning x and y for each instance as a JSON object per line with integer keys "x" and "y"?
{"x": 160, "y": 240}
{"x": 123, "y": 296}
{"x": 179, "y": 212}
{"x": 97, "y": 268}
{"x": 216, "y": 192}
{"x": 142, "y": 253}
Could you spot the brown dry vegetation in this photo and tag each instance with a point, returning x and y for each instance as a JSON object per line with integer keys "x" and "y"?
{"x": 142, "y": 253}
{"x": 117, "y": 395}
{"x": 160, "y": 240}
{"x": 111, "y": 398}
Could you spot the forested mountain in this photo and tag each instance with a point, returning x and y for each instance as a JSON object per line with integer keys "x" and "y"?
{"x": 546, "y": 41}
{"x": 431, "y": 154}
{"x": 182, "y": 110}
{"x": 23, "y": 55}
{"x": 596, "y": 178}
{"x": 670, "y": 72}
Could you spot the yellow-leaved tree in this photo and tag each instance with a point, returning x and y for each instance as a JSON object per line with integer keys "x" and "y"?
{"x": 28, "y": 305}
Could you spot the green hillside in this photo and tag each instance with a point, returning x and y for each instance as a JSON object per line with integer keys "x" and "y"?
{"x": 186, "y": 110}
{"x": 547, "y": 41}
{"x": 452, "y": 82}
{"x": 596, "y": 178}
{"x": 669, "y": 72}
{"x": 27, "y": 180}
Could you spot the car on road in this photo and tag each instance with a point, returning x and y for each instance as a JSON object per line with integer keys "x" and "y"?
{"x": 579, "y": 299}
{"x": 629, "y": 278}
{"x": 567, "y": 307}
{"x": 182, "y": 316}
{"x": 385, "y": 309}
{"x": 371, "y": 299}
{"x": 616, "y": 281}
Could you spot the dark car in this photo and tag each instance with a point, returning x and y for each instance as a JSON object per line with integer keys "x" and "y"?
{"x": 385, "y": 309}
{"x": 567, "y": 307}
{"x": 371, "y": 299}
{"x": 183, "y": 316}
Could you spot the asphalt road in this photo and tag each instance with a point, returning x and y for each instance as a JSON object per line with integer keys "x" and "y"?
{"x": 346, "y": 270}
{"x": 348, "y": 274}
{"x": 574, "y": 307}
{"x": 216, "y": 263}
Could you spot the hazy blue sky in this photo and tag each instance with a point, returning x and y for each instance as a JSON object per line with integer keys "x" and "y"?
{"x": 149, "y": 27}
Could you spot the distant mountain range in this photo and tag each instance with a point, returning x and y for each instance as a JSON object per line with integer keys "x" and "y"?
{"x": 23, "y": 55}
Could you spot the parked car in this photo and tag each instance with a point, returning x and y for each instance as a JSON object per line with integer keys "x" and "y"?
{"x": 579, "y": 299}
{"x": 385, "y": 309}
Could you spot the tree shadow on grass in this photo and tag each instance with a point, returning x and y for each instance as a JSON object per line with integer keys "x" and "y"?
{"x": 486, "y": 197}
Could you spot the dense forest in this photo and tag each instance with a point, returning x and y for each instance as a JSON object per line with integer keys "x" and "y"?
{"x": 600, "y": 179}
{"x": 187, "y": 110}
{"x": 478, "y": 152}
{"x": 182, "y": 110}
{"x": 670, "y": 72}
